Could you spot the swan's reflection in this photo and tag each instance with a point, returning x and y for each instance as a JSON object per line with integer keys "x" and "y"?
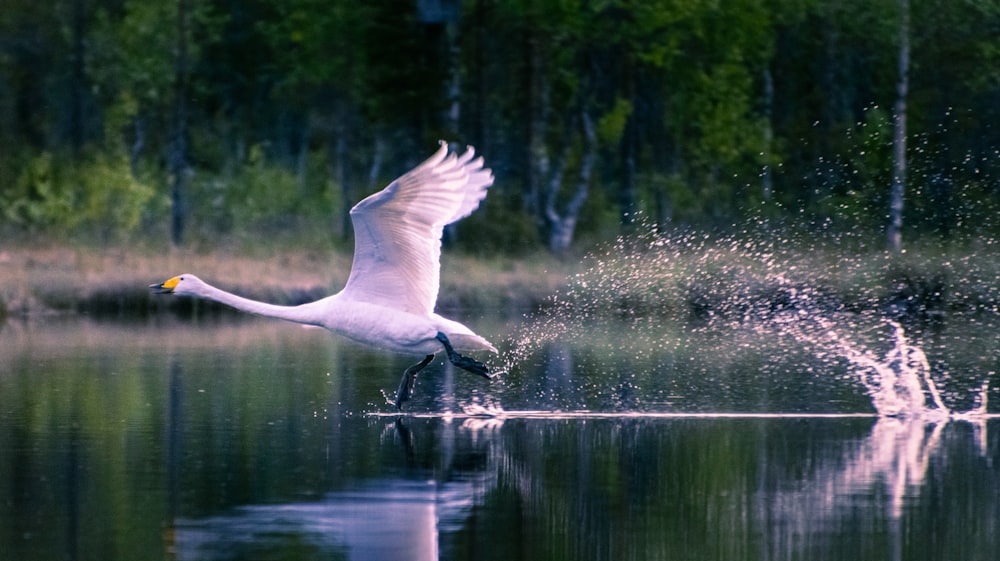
{"x": 802, "y": 499}
{"x": 380, "y": 519}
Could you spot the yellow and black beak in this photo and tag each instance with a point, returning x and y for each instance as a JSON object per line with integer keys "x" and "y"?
{"x": 166, "y": 287}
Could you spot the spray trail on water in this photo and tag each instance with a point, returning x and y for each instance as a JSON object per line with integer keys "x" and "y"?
{"x": 692, "y": 307}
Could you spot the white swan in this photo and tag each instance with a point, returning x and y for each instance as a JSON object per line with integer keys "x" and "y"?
{"x": 388, "y": 301}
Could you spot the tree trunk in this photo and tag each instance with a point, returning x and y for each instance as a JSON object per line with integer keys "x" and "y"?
{"x": 538, "y": 155}
{"x": 338, "y": 156}
{"x": 478, "y": 123}
{"x": 178, "y": 151}
{"x": 630, "y": 138}
{"x": 453, "y": 114}
{"x": 302, "y": 135}
{"x": 767, "y": 181}
{"x": 375, "y": 170}
{"x": 138, "y": 142}
{"x": 563, "y": 226}
{"x": 896, "y": 198}
{"x": 77, "y": 77}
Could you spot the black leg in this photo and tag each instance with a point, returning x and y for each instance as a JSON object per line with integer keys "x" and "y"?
{"x": 405, "y": 389}
{"x": 463, "y": 362}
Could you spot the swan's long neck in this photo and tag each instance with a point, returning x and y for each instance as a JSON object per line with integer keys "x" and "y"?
{"x": 305, "y": 313}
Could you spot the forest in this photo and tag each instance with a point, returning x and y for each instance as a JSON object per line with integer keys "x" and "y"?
{"x": 239, "y": 122}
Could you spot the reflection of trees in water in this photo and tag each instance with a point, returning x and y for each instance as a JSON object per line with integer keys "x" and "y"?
{"x": 632, "y": 490}
{"x": 640, "y": 489}
{"x": 895, "y": 455}
{"x": 883, "y": 473}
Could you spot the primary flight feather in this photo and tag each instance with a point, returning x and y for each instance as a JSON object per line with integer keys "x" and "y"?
{"x": 388, "y": 301}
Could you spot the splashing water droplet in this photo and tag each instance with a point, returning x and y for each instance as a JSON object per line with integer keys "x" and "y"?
{"x": 687, "y": 305}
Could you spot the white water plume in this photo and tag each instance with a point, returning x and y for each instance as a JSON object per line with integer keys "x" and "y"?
{"x": 684, "y": 309}
{"x": 898, "y": 382}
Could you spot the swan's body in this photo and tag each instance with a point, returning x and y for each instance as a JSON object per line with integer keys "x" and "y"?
{"x": 388, "y": 301}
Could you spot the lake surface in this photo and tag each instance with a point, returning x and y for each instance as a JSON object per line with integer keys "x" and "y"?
{"x": 255, "y": 440}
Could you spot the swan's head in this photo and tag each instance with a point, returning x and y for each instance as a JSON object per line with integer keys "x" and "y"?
{"x": 186, "y": 284}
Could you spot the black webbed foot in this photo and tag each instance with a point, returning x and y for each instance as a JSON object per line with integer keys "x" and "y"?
{"x": 406, "y": 383}
{"x": 465, "y": 363}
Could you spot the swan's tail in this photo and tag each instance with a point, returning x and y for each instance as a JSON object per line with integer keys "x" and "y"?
{"x": 469, "y": 342}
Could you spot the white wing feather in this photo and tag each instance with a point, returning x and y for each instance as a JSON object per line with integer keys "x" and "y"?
{"x": 397, "y": 231}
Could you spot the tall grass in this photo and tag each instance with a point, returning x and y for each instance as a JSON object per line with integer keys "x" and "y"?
{"x": 689, "y": 274}
{"x": 56, "y": 279}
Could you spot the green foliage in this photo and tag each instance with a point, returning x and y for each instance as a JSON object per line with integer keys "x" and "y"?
{"x": 497, "y": 229}
{"x": 258, "y": 195}
{"x": 262, "y": 200}
{"x": 39, "y": 199}
{"x": 133, "y": 53}
{"x": 97, "y": 196}
{"x": 113, "y": 201}
{"x": 611, "y": 126}
{"x": 288, "y": 100}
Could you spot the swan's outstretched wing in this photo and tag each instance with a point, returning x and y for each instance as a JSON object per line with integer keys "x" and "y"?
{"x": 397, "y": 231}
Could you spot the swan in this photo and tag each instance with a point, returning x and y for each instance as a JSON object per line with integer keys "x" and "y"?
{"x": 390, "y": 295}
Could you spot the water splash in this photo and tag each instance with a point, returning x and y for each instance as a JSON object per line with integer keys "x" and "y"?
{"x": 898, "y": 382}
{"x": 707, "y": 303}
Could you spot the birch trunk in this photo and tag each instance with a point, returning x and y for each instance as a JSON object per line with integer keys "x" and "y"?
{"x": 178, "y": 150}
{"x": 767, "y": 181}
{"x": 538, "y": 154}
{"x": 562, "y": 226}
{"x": 897, "y": 194}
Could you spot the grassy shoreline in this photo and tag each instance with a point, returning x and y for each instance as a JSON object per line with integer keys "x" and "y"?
{"x": 719, "y": 277}
{"x": 113, "y": 282}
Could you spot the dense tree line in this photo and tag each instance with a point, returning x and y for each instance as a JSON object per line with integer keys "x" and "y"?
{"x": 196, "y": 118}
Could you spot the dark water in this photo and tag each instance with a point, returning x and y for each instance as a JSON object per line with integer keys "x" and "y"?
{"x": 261, "y": 440}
